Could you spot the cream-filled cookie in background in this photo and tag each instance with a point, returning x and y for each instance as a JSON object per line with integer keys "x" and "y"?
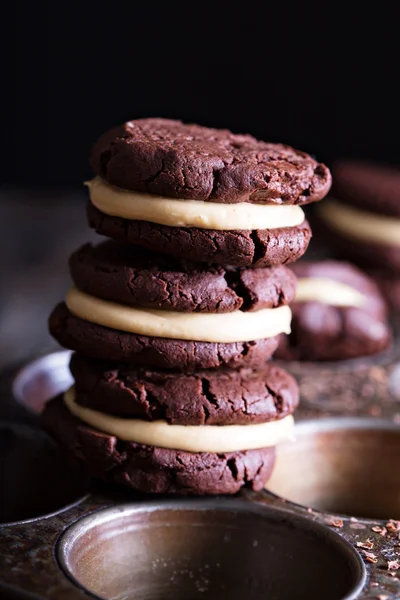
{"x": 338, "y": 314}
{"x": 361, "y": 220}
{"x": 203, "y": 194}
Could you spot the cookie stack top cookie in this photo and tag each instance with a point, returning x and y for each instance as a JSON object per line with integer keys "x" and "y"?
{"x": 203, "y": 194}
{"x": 174, "y": 319}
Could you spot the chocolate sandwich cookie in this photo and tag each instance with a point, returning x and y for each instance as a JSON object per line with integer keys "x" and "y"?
{"x": 214, "y": 397}
{"x": 106, "y": 343}
{"x": 338, "y": 314}
{"x": 154, "y": 469}
{"x": 135, "y": 276}
{"x": 361, "y": 218}
{"x": 205, "y": 316}
{"x": 203, "y": 194}
{"x": 242, "y": 248}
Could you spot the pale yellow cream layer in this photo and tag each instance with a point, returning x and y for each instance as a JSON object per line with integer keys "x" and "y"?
{"x": 191, "y": 438}
{"x": 359, "y": 224}
{"x": 328, "y": 291}
{"x": 173, "y": 212}
{"x": 236, "y": 326}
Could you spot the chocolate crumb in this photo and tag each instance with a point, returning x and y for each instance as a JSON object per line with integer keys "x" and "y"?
{"x": 367, "y": 545}
{"x": 393, "y": 526}
{"x": 369, "y": 556}
{"x": 381, "y": 530}
{"x": 393, "y": 565}
{"x": 335, "y": 522}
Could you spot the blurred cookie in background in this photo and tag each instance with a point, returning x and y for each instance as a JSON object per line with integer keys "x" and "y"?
{"x": 339, "y": 313}
{"x": 360, "y": 220}
{"x": 389, "y": 285}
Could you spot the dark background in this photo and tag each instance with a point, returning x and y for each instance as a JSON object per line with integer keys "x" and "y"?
{"x": 318, "y": 76}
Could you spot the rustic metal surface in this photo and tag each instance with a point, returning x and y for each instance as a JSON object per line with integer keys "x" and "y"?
{"x": 214, "y": 547}
{"x": 343, "y": 445}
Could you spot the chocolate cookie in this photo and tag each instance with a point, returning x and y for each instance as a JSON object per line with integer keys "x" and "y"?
{"x": 241, "y": 248}
{"x": 322, "y": 331}
{"x": 156, "y": 470}
{"x": 168, "y": 158}
{"x": 369, "y": 186}
{"x": 367, "y": 237}
{"x": 365, "y": 254}
{"x": 135, "y": 276}
{"x": 110, "y": 344}
{"x": 214, "y": 397}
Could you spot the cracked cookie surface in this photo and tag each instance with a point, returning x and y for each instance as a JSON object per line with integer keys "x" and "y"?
{"x": 156, "y": 470}
{"x": 172, "y": 159}
{"x": 243, "y": 248}
{"x": 138, "y": 277}
{"x": 221, "y": 397}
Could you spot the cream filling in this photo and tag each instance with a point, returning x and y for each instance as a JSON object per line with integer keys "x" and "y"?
{"x": 236, "y": 326}
{"x": 191, "y": 438}
{"x": 359, "y": 224}
{"x": 173, "y": 212}
{"x": 328, "y": 291}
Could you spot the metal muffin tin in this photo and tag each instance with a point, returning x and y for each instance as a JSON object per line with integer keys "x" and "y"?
{"x": 293, "y": 540}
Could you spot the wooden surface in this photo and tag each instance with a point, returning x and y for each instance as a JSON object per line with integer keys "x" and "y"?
{"x": 38, "y": 231}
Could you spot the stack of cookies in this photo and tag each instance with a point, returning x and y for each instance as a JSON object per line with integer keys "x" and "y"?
{"x": 173, "y": 321}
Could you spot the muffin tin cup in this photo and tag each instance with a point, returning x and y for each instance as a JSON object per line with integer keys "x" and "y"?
{"x": 213, "y": 548}
{"x": 320, "y": 538}
{"x": 36, "y": 480}
{"x": 344, "y": 465}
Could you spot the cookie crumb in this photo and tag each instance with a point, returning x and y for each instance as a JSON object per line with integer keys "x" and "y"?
{"x": 369, "y": 556}
{"x": 335, "y": 522}
{"x": 367, "y": 545}
{"x": 393, "y": 526}
{"x": 393, "y": 565}
{"x": 381, "y": 530}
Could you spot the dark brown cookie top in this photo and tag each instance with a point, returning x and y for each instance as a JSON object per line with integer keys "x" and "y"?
{"x": 370, "y": 186}
{"x": 216, "y": 397}
{"x": 151, "y": 469}
{"x": 135, "y": 276}
{"x": 160, "y": 353}
{"x": 169, "y": 158}
{"x": 327, "y": 332}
